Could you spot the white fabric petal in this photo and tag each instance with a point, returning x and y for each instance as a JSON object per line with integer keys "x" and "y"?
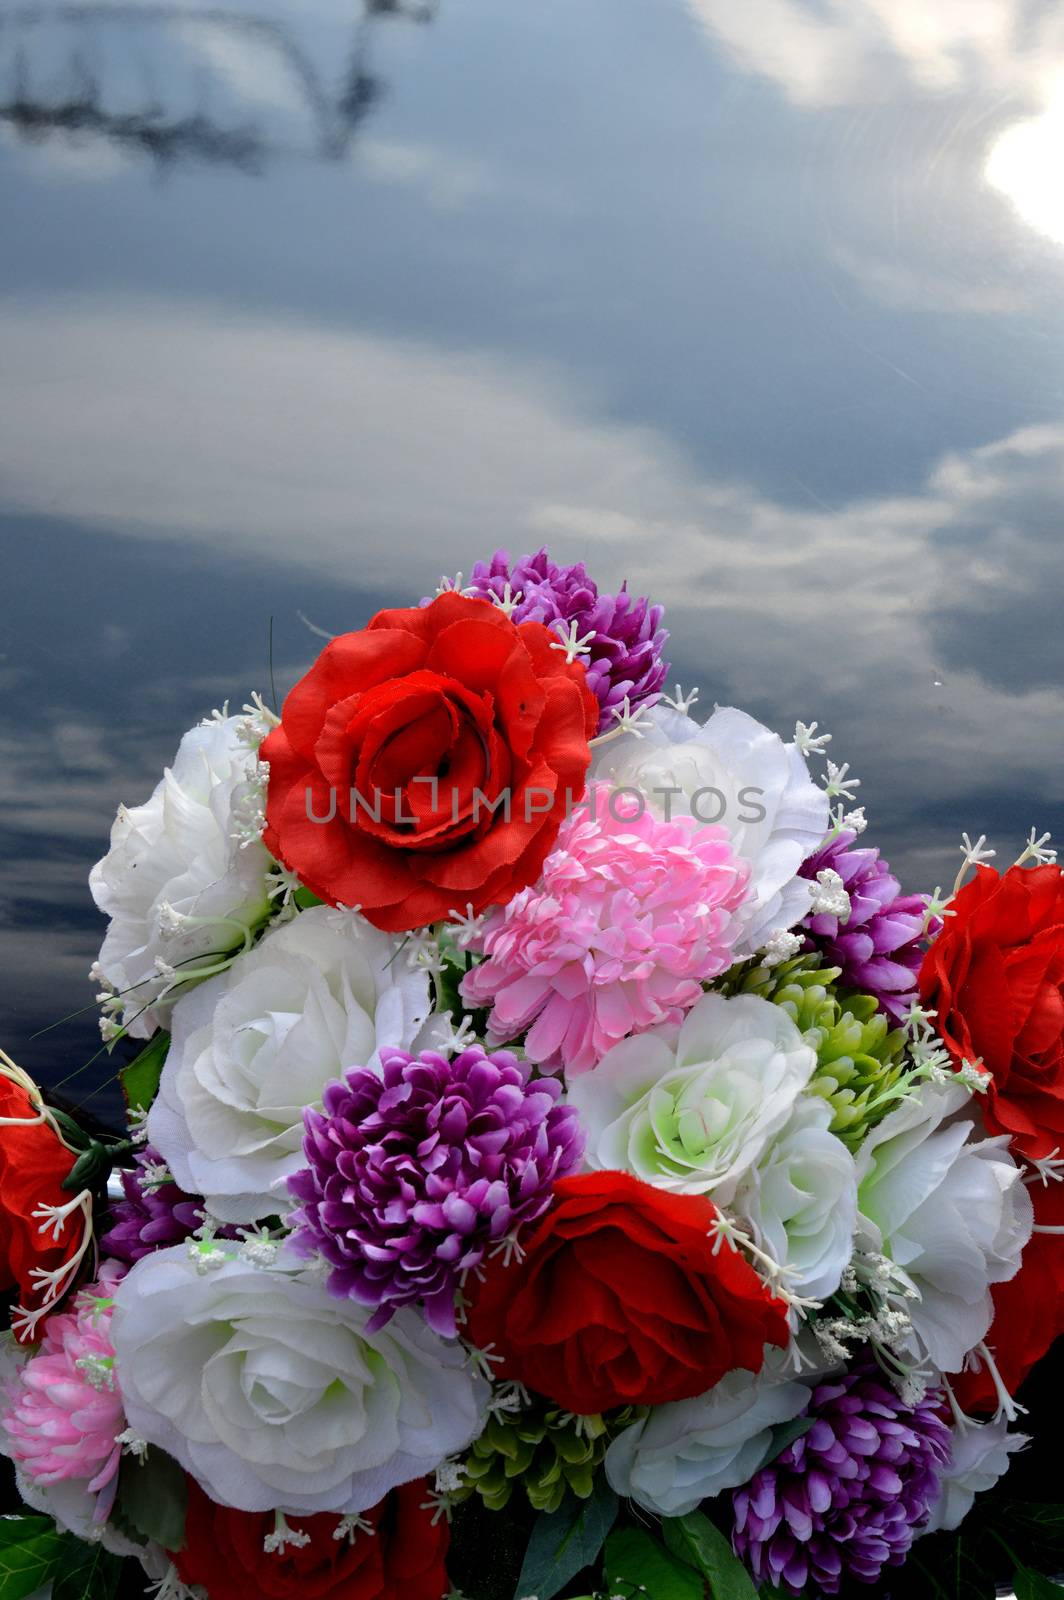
{"x": 72, "y": 1506}
{"x": 801, "y": 1200}
{"x": 181, "y": 849}
{"x": 948, "y": 1205}
{"x": 691, "y": 1450}
{"x": 738, "y": 772}
{"x": 251, "y": 1048}
{"x": 980, "y": 1454}
{"x": 270, "y": 1392}
{"x": 692, "y": 1111}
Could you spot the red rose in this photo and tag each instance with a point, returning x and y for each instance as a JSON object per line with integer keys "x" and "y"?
{"x": 1028, "y": 1310}
{"x": 995, "y": 978}
{"x": 33, "y": 1163}
{"x": 403, "y": 1559}
{"x": 441, "y": 745}
{"x": 620, "y": 1300}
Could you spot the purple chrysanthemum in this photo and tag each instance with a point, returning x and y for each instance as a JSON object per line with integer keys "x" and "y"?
{"x": 847, "y": 1498}
{"x": 155, "y": 1212}
{"x": 415, "y": 1172}
{"x": 880, "y": 945}
{"x": 625, "y": 659}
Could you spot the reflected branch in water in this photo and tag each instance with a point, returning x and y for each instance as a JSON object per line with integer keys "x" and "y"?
{"x": 58, "y": 86}
{"x": 191, "y": 138}
{"x": 402, "y": 8}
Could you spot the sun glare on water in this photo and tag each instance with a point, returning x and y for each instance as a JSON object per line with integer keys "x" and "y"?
{"x": 1026, "y": 164}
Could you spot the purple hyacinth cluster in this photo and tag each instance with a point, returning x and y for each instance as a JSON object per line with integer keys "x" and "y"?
{"x": 415, "y": 1173}
{"x": 154, "y": 1212}
{"x": 627, "y": 638}
{"x": 847, "y": 1498}
{"x": 881, "y": 943}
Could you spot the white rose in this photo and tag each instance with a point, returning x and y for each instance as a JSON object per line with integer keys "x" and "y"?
{"x": 801, "y": 1200}
{"x": 980, "y": 1454}
{"x": 692, "y": 1109}
{"x": 253, "y": 1047}
{"x": 950, "y": 1209}
{"x": 691, "y": 1450}
{"x": 757, "y": 787}
{"x": 270, "y": 1392}
{"x": 180, "y": 881}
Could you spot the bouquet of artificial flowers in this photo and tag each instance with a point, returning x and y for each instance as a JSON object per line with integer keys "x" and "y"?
{"x": 558, "y": 1154}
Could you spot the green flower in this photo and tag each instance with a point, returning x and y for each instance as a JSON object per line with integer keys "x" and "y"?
{"x": 544, "y": 1449}
{"x": 861, "y": 1066}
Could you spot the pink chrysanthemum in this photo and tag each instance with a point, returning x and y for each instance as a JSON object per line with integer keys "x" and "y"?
{"x": 628, "y": 920}
{"x": 63, "y": 1413}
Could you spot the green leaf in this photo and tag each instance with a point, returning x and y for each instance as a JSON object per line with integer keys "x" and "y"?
{"x": 1030, "y": 1585}
{"x": 89, "y": 1572}
{"x": 140, "y": 1079}
{"x": 73, "y": 1132}
{"x": 90, "y": 1170}
{"x": 16, "y": 1530}
{"x": 566, "y": 1541}
{"x": 31, "y": 1549}
{"x": 695, "y": 1540}
{"x": 153, "y": 1498}
{"x": 785, "y": 1433}
{"x": 447, "y": 992}
{"x": 1042, "y": 1517}
{"x": 638, "y": 1565}
{"x": 999, "y": 1536}
{"x": 952, "y": 1567}
{"x": 306, "y": 899}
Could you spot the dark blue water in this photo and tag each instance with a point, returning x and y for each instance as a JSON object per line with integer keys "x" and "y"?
{"x": 301, "y": 305}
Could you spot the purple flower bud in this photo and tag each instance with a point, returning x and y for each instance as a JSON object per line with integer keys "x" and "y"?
{"x": 625, "y": 657}
{"x": 153, "y": 1214}
{"x": 415, "y": 1173}
{"x": 881, "y": 943}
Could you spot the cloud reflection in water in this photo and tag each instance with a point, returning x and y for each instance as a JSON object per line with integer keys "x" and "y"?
{"x": 760, "y": 337}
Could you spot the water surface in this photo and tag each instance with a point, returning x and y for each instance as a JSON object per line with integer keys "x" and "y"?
{"x": 303, "y": 305}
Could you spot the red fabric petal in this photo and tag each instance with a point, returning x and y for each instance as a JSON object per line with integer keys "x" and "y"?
{"x": 452, "y": 690}
{"x": 402, "y": 1559}
{"x": 995, "y": 978}
{"x": 353, "y": 662}
{"x": 619, "y": 1298}
{"x": 33, "y": 1164}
